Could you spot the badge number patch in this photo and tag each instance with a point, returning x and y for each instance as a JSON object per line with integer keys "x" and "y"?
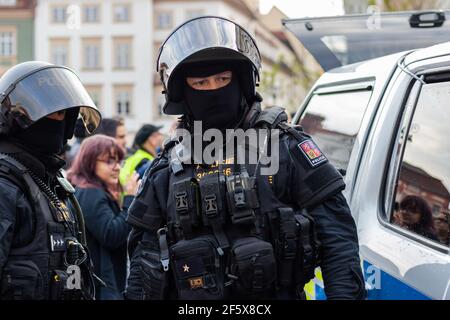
{"x": 312, "y": 153}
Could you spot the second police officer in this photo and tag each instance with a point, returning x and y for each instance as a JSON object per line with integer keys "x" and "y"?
{"x": 43, "y": 253}
{"x": 224, "y": 230}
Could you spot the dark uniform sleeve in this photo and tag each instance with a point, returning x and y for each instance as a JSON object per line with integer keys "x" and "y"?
{"x": 317, "y": 186}
{"x": 145, "y": 216}
{"x": 12, "y": 201}
{"x": 8, "y": 198}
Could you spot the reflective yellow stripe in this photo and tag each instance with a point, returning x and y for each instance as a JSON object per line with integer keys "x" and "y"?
{"x": 131, "y": 163}
{"x": 310, "y": 287}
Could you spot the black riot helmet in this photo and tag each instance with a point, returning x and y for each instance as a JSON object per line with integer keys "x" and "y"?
{"x": 207, "y": 39}
{"x": 32, "y": 90}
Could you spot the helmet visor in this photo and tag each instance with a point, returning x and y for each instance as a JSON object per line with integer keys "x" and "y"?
{"x": 206, "y": 33}
{"x": 50, "y": 90}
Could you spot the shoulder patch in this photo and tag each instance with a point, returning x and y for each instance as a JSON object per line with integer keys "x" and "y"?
{"x": 312, "y": 153}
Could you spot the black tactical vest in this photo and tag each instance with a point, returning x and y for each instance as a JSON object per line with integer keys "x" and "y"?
{"x": 45, "y": 267}
{"x": 229, "y": 236}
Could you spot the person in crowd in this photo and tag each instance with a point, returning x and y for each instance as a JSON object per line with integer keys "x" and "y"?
{"x": 114, "y": 128}
{"x": 442, "y": 227}
{"x": 95, "y": 174}
{"x": 415, "y": 215}
{"x": 80, "y": 134}
{"x": 147, "y": 143}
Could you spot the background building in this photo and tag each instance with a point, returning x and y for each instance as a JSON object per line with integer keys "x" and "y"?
{"x": 113, "y": 46}
{"x": 108, "y": 43}
{"x": 283, "y": 58}
{"x": 16, "y": 32}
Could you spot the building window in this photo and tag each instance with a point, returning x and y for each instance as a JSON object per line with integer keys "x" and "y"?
{"x": 164, "y": 20}
{"x": 121, "y": 13}
{"x": 123, "y": 100}
{"x": 8, "y": 51}
{"x": 91, "y": 14}
{"x": 191, "y": 14}
{"x": 92, "y": 53}
{"x": 59, "y": 14}
{"x": 95, "y": 91}
{"x": 8, "y": 3}
{"x": 424, "y": 171}
{"x": 123, "y": 53}
{"x": 59, "y": 51}
{"x": 7, "y": 47}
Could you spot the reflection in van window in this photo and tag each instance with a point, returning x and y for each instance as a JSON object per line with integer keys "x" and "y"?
{"x": 423, "y": 187}
{"x": 333, "y": 120}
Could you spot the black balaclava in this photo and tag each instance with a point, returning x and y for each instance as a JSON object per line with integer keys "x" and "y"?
{"x": 45, "y": 136}
{"x": 220, "y": 108}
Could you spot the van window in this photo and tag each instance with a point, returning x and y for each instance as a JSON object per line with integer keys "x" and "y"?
{"x": 333, "y": 120}
{"x": 422, "y": 195}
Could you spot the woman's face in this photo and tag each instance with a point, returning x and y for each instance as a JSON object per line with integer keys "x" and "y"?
{"x": 107, "y": 168}
{"x": 410, "y": 216}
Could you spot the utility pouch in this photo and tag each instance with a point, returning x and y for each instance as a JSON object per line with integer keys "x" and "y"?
{"x": 187, "y": 204}
{"x": 198, "y": 268}
{"x": 154, "y": 278}
{"x": 212, "y": 202}
{"x": 253, "y": 267}
{"x": 307, "y": 256}
{"x": 296, "y": 247}
{"x": 21, "y": 280}
{"x": 242, "y": 198}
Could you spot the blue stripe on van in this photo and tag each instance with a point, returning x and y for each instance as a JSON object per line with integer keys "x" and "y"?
{"x": 382, "y": 286}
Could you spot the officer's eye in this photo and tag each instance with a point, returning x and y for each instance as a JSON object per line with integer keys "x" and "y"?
{"x": 224, "y": 77}
{"x": 200, "y": 83}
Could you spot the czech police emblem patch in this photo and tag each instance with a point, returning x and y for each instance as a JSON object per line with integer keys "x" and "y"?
{"x": 312, "y": 153}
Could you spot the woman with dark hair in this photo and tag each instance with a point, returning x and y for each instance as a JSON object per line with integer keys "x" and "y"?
{"x": 95, "y": 174}
{"x": 415, "y": 215}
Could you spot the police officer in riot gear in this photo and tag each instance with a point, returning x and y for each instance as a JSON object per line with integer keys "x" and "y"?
{"x": 43, "y": 252}
{"x": 225, "y": 230}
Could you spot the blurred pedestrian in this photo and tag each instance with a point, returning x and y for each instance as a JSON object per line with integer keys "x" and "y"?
{"x": 95, "y": 174}
{"x": 442, "y": 226}
{"x": 415, "y": 215}
{"x": 147, "y": 143}
{"x": 80, "y": 134}
{"x": 114, "y": 128}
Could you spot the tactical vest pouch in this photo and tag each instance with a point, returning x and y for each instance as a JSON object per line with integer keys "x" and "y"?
{"x": 242, "y": 199}
{"x": 187, "y": 204}
{"x": 307, "y": 257}
{"x": 212, "y": 202}
{"x": 197, "y": 269}
{"x": 21, "y": 280}
{"x": 254, "y": 267}
{"x": 296, "y": 247}
{"x": 154, "y": 278}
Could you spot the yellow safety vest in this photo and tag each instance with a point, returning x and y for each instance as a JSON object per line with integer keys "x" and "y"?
{"x": 131, "y": 163}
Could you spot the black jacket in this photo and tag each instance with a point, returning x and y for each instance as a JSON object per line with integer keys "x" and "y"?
{"x": 297, "y": 184}
{"x": 106, "y": 233}
{"x": 17, "y": 226}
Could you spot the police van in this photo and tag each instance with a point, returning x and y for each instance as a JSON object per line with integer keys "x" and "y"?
{"x": 381, "y": 114}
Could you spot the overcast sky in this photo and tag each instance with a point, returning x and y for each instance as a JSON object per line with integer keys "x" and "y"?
{"x": 304, "y": 8}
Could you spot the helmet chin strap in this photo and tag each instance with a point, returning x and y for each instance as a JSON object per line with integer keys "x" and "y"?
{"x": 252, "y": 112}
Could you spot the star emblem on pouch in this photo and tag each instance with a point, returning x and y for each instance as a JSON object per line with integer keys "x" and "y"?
{"x": 185, "y": 268}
